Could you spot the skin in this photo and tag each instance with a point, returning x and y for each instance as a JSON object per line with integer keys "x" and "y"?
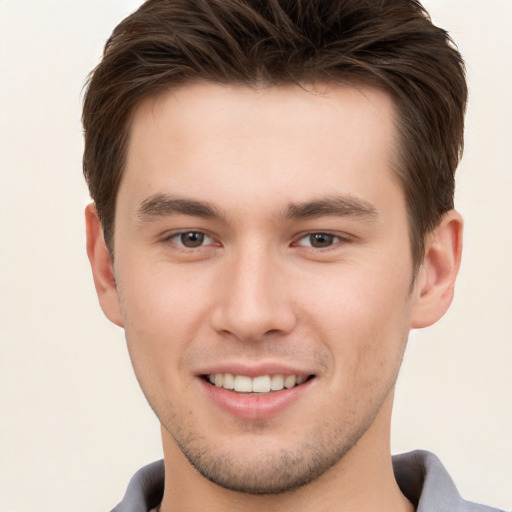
{"x": 259, "y": 177}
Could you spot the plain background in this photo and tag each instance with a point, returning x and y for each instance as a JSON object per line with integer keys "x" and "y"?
{"x": 73, "y": 424}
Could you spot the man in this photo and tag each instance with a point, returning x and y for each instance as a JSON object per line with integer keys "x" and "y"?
{"x": 273, "y": 212}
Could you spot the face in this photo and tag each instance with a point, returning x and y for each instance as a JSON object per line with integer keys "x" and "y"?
{"x": 263, "y": 269}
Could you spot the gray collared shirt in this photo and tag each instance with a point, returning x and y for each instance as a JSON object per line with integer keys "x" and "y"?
{"x": 420, "y": 476}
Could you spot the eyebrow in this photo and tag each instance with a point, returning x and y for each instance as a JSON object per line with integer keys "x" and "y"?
{"x": 334, "y": 205}
{"x": 162, "y": 205}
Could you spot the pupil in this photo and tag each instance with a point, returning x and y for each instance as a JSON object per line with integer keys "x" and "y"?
{"x": 192, "y": 239}
{"x": 321, "y": 240}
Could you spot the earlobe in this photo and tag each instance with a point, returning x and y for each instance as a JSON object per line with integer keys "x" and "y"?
{"x": 101, "y": 265}
{"x": 435, "y": 282}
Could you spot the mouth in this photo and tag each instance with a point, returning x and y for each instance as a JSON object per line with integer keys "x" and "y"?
{"x": 259, "y": 385}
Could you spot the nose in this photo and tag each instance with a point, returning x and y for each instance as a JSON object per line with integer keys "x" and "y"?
{"x": 255, "y": 301}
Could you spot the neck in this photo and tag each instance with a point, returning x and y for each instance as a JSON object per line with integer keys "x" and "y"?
{"x": 362, "y": 480}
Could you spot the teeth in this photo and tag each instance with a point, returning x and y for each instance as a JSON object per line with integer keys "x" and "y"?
{"x": 219, "y": 380}
{"x": 229, "y": 381}
{"x": 290, "y": 381}
{"x": 277, "y": 382}
{"x": 260, "y": 384}
{"x": 243, "y": 384}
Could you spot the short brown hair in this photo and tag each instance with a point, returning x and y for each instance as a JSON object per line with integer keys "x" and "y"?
{"x": 388, "y": 43}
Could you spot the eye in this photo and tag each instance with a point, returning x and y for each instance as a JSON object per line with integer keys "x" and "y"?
{"x": 319, "y": 240}
{"x": 191, "y": 239}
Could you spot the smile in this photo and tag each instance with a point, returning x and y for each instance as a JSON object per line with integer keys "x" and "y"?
{"x": 259, "y": 384}
{"x": 256, "y": 396}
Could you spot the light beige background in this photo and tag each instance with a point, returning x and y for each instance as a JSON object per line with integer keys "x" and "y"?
{"x": 73, "y": 424}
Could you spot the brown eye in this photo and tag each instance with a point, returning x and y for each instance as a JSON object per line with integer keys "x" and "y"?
{"x": 192, "y": 239}
{"x": 320, "y": 240}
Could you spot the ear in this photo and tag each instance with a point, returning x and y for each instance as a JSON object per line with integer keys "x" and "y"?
{"x": 102, "y": 269}
{"x": 435, "y": 281}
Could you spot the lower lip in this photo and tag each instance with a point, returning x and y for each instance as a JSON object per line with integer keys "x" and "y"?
{"x": 254, "y": 407}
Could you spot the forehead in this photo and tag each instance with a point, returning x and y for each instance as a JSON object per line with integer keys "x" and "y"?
{"x": 205, "y": 108}
{"x": 233, "y": 140}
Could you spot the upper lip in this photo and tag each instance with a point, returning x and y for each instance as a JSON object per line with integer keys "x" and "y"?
{"x": 254, "y": 370}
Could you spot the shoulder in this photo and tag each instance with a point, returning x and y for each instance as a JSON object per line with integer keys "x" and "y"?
{"x": 145, "y": 489}
{"x": 426, "y": 483}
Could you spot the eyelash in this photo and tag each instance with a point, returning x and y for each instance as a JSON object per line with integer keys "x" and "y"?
{"x": 334, "y": 240}
{"x": 177, "y": 239}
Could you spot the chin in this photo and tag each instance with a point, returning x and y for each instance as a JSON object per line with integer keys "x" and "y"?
{"x": 267, "y": 472}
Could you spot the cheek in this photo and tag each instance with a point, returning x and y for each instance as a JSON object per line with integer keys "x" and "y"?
{"x": 162, "y": 313}
{"x": 157, "y": 296}
{"x": 360, "y": 295}
{"x": 362, "y": 316}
